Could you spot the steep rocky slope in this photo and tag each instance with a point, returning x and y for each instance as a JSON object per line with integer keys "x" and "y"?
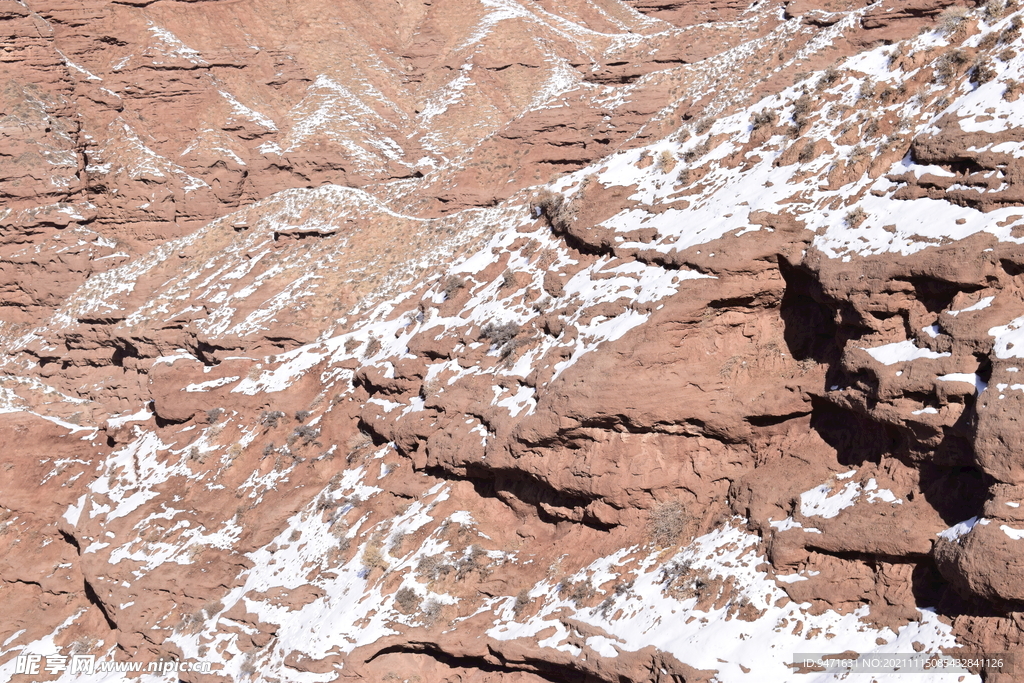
{"x": 507, "y": 340}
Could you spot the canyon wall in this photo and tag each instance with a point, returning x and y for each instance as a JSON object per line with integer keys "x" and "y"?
{"x": 510, "y": 340}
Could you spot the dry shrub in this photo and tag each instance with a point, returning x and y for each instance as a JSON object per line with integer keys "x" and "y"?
{"x": 952, "y": 18}
{"x": 372, "y": 347}
{"x": 949, "y": 65}
{"x": 1011, "y": 32}
{"x": 674, "y": 571}
{"x": 830, "y": 77}
{"x": 271, "y": 418}
{"x": 84, "y": 644}
{"x": 983, "y": 72}
{"x": 581, "y": 592}
{"x": 359, "y": 441}
{"x": 452, "y": 285}
{"x": 697, "y": 152}
{"x": 766, "y": 118}
{"x": 859, "y": 155}
{"x": 802, "y": 108}
{"x": 433, "y": 567}
{"x": 666, "y": 161}
{"x": 522, "y": 602}
{"x": 807, "y": 153}
{"x": 668, "y": 522}
{"x": 431, "y": 611}
{"x": 500, "y": 335}
{"x": 248, "y": 667}
{"x": 994, "y": 10}
{"x": 551, "y": 205}
{"x": 508, "y": 279}
{"x": 407, "y": 600}
{"x": 897, "y": 51}
{"x": 474, "y": 561}
{"x": 395, "y": 547}
{"x": 308, "y": 435}
{"x": 373, "y": 558}
{"x": 1013, "y": 90}
{"x": 856, "y": 216}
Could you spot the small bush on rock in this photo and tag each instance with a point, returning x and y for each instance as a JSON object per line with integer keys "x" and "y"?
{"x": 697, "y": 152}
{"x": 508, "y": 278}
{"x": 271, "y": 418}
{"x": 666, "y": 161}
{"x": 433, "y": 567}
{"x": 668, "y": 522}
{"x": 807, "y": 153}
{"x": 522, "y": 602}
{"x": 431, "y": 612}
{"x": 407, "y": 600}
{"x": 855, "y": 217}
{"x": 802, "y": 108}
{"x": 830, "y": 77}
{"x": 1011, "y": 32}
{"x": 952, "y": 18}
{"x": 553, "y": 206}
{"x": 995, "y": 9}
{"x": 1013, "y": 90}
{"x": 372, "y": 347}
{"x": 983, "y": 72}
{"x": 949, "y": 65}
{"x": 474, "y": 561}
{"x": 373, "y": 558}
{"x": 766, "y": 118}
{"x": 500, "y": 334}
{"x": 452, "y": 285}
{"x": 308, "y": 435}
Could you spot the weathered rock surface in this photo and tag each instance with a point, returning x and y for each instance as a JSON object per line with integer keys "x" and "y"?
{"x": 474, "y": 341}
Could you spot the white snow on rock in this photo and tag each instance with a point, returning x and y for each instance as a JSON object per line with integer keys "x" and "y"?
{"x": 984, "y": 303}
{"x": 211, "y": 384}
{"x": 654, "y": 610}
{"x": 901, "y": 352}
{"x": 1009, "y": 339}
{"x": 967, "y": 377}
{"x": 957, "y": 530}
{"x": 825, "y": 501}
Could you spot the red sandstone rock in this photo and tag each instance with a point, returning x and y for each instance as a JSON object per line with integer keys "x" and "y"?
{"x": 261, "y": 400}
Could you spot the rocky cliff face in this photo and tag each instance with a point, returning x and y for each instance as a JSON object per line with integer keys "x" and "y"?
{"x": 500, "y": 340}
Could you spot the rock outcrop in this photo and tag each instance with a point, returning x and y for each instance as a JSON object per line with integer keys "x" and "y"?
{"x": 478, "y": 341}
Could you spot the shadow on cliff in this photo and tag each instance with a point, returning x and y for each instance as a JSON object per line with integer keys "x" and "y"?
{"x": 949, "y": 478}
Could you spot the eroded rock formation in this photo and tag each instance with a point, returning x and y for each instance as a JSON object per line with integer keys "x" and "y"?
{"x": 478, "y": 341}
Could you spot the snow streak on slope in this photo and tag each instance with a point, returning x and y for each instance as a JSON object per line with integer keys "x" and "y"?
{"x": 693, "y": 604}
{"x": 327, "y": 555}
{"x": 723, "y": 166}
